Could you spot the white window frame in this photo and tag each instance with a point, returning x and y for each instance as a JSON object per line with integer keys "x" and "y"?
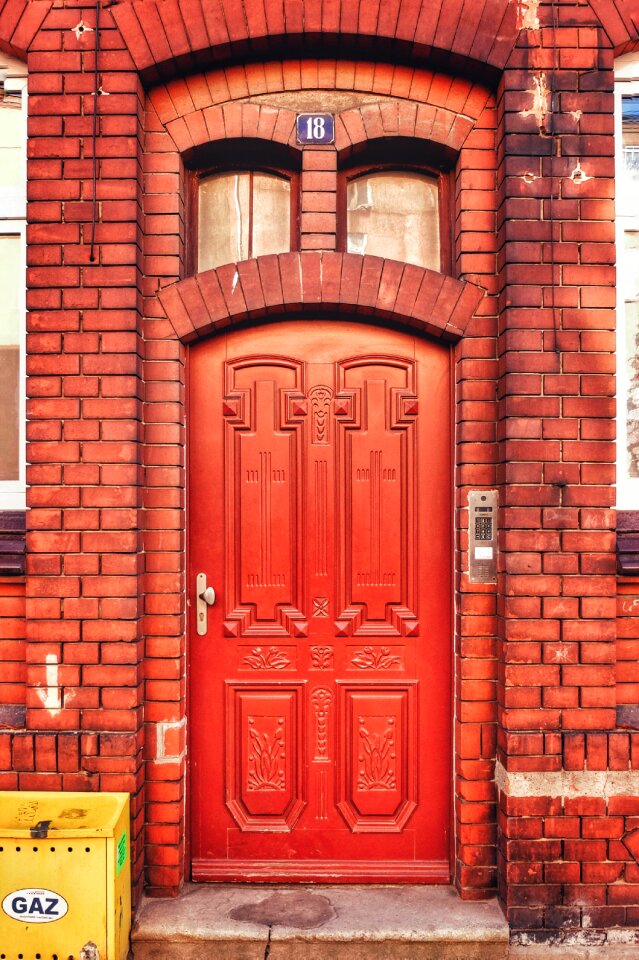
{"x": 13, "y": 211}
{"x": 626, "y": 83}
{"x": 13, "y": 492}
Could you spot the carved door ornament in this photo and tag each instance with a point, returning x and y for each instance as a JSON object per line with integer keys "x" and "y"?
{"x": 271, "y": 659}
{"x": 321, "y": 658}
{"x": 377, "y": 757}
{"x": 320, "y": 397}
{"x": 376, "y": 658}
{"x": 267, "y": 753}
{"x": 321, "y": 700}
{"x": 320, "y": 607}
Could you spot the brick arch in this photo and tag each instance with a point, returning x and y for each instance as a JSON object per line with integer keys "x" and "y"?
{"x": 20, "y": 20}
{"x": 200, "y": 91}
{"x": 620, "y": 21}
{"x": 421, "y": 121}
{"x": 342, "y": 283}
{"x": 233, "y": 121}
{"x": 414, "y": 102}
{"x": 164, "y": 36}
{"x": 353, "y": 128}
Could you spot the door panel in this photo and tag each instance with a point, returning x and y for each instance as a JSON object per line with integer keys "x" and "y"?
{"x": 320, "y": 695}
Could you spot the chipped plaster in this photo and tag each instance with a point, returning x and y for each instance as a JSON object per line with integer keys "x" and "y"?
{"x": 567, "y": 783}
{"x": 540, "y": 108}
{"x": 528, "y": 14}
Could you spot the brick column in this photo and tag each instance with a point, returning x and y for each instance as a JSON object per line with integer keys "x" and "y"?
{"x": 476, "y": 454}
{"x": 164, "y": 583}
{"x": 84, "y": 363}
{"x": 557, "y": 463}
{"x": 318, "y": 216}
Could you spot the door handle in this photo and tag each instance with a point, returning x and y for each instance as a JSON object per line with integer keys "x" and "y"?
{"x": 205, "y": 599}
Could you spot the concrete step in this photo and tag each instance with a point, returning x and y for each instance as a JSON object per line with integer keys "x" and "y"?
{"x": 273, "y": 922}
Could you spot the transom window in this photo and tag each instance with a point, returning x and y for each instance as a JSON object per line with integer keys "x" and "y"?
{"x": 394, "y": 214}
{"x": 242, "y": 214}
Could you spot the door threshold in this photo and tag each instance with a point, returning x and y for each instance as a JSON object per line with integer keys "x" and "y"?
{"x": 318, "y": 922}
{"x": 317, "y": 871}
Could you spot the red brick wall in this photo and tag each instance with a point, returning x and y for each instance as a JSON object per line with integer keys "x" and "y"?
{"x": 627, "y": 652}
{"x": 13, "y": 666}
{"x": 84, "y": 667}
{"x": 557, "y": 454}
{"x": 539, "y": 676}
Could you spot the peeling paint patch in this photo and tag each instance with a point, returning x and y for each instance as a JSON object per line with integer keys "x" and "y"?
{"x": 171, "y": 741}
{"x": 50, "y": 693}
{"x": 566, "y": 939}
{"x": 529, "y": 177}
{"x": 621, "y": 936}
{"x": 527, "y": 14}
{"x": 576, "y": 115}
{"x": 89, "y": 951}
{"x": 578, "y": 175}
{"x": 540, "y": 108}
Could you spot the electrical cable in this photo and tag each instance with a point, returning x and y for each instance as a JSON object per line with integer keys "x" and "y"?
{"x": 96, "y": 94}
{"x": 556, "y": 152}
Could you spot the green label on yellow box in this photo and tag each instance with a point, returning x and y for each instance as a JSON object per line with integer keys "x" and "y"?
{"x": 121, "y": 853}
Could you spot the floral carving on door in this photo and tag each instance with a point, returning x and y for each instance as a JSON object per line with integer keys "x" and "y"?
{"x": 267, "y": 752}
{"x": 377, "y": 757}
{"x": 271, "y": 659}
{"x": 376, "y": 658}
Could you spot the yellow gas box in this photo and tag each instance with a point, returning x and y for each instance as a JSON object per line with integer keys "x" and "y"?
{"x": 65, "y": 876}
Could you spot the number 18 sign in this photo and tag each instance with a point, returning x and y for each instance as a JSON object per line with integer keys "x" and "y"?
{"x": 315, "y": 128}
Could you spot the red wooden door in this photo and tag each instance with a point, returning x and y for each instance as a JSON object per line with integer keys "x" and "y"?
{"x": 320, "y": 505}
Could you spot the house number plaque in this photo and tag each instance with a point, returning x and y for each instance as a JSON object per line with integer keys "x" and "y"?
{"x": 315, "y": 128}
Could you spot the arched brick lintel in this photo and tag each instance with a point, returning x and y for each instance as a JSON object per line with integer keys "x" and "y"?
{"x": 343, "y": 283}
{"x": 168, "y": 36}
{"x": 233, "y": 121}
{"x": 620, "y": 21}
{"x": 422, "y": 121}
{"x": 20, "y": 21}
{"x": 353, "y": 128}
